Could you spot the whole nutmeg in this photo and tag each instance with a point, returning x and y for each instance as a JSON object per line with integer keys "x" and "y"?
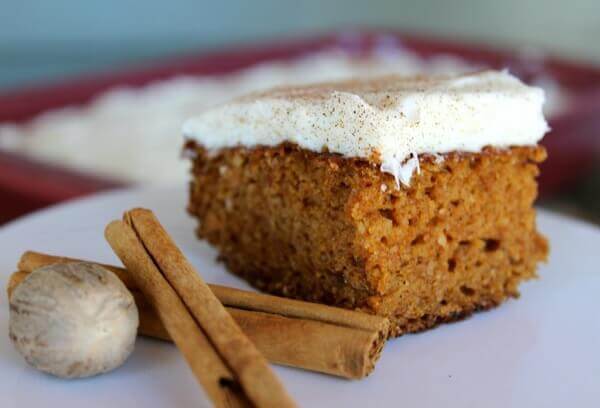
{"x": 73, "y": 320}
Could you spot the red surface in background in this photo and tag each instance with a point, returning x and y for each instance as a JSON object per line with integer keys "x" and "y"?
{"x": 573, "y": 144}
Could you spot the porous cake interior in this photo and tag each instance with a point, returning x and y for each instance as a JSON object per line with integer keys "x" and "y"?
{"x": 337, "y": 230}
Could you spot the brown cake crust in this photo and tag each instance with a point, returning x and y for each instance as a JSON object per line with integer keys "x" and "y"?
{"x": 336, "y": 230}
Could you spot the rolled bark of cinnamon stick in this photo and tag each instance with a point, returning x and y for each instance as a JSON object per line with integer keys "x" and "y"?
{"x": 248, "y": 365}
{"x": 294, "y": 342}
{"x": 242, "y": 299}
{"x": 210, "y": 370}
{"x": 288, "y": 332}
{"x": 225, "y": 362}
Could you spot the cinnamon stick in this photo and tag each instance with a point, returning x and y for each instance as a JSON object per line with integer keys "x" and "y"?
{"x": 289, "y": 332}
{"x": 242, "y": 299}
{"x": 294, "y": 342}
{"x": 249, "y": 367}
{"x": 213, "y": 374}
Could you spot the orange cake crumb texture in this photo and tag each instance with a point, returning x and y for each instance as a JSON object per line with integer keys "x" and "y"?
{"x": 335, "y": 230}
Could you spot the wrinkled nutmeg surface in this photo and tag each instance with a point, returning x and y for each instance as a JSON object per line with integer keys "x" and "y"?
{"x": 73, "y": 320}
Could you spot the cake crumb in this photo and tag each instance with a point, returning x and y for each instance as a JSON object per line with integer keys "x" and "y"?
{"x": 442, "y": 240}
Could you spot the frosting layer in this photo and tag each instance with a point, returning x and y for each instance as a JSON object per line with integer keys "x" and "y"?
{"x": 389, "y": 120}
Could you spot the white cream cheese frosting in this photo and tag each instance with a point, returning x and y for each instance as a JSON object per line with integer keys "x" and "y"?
{"x": 391, "y": 119}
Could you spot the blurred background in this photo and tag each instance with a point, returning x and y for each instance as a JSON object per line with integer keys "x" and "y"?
{"x": 55, "y": 42}
{"x": 41, "y": 40}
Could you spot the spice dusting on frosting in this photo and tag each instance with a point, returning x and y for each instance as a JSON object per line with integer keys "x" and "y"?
{"x": 396, "y": 117}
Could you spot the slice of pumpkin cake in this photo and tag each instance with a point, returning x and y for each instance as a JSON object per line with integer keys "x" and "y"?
{"x": 409, "y": 197}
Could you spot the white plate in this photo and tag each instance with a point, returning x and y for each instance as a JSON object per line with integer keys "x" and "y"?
{"x": 541, "y": 350}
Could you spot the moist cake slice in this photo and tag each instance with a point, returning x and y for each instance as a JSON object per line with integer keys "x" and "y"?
{"x": 409, "y": 197}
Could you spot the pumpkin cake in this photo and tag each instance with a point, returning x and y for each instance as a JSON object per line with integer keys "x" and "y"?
{"x": 407, "y": 197}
